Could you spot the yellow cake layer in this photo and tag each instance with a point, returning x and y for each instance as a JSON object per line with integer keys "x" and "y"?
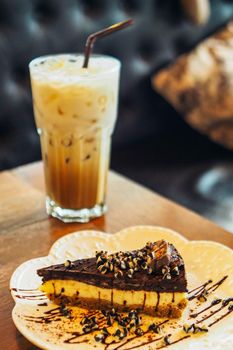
{"x": 146, "y": 299}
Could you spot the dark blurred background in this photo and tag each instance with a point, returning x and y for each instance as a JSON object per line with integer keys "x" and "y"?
{"x": 151, "y": 143}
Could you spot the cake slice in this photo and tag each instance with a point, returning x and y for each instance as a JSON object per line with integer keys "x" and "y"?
{"x": 152, "y": 279}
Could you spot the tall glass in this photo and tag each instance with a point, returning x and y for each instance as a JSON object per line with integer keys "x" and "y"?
{"x": 75, "y": 111}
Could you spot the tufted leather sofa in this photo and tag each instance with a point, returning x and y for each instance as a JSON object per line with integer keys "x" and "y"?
{"x": 30, "y": 28}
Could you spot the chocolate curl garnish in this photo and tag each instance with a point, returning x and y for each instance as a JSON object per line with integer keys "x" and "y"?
{"x": 100, "y": 34}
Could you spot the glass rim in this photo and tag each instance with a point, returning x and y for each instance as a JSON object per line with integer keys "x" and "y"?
{"x": 115, "y": 67}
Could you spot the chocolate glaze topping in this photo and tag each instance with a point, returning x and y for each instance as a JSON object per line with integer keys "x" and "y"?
{"x": 156, "y": 267}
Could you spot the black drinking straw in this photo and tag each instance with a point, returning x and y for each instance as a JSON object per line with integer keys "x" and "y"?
{"x": 100, "y": 34}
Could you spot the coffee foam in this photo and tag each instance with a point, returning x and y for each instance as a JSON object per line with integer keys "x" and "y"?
{"x": 67, "y": 68}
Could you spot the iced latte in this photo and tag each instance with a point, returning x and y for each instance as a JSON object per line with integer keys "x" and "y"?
{"x": 75, "y": 110}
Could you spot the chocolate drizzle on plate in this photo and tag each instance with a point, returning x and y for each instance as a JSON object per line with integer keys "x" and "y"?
{"x": 230, "y": 310}
{"x": 202, "y": 290}
{"x": 225, "y": 303}
{"x": 31, "y": 297}
{"x": 174, "y": 342}
{"x": 43, "y": 304}
{"x": 99, "y": 322}
{"x": 202, "y": 286}
{"x": 99, "y": 325}
{"x": 212, "y": 304}
{"x": 52, "y": 315}
{"x": 28, "y": 294}
{"x": 139, "y": 345}
{"x": 129, "y": 340}
{"x": 24, "y": 290}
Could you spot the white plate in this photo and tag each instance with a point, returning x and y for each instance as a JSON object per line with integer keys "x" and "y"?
{"x": 203, "y": 259}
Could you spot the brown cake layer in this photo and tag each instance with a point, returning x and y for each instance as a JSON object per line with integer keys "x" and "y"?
{"x": 165, "y": 257}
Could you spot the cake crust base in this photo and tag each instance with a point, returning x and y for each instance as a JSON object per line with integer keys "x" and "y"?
{"x": 169, "y": 310}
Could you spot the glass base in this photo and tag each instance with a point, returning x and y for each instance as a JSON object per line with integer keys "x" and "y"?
{"x": 72, "y": 215}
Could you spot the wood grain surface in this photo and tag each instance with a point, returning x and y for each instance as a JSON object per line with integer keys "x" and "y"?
{"x": 27, "y": 232}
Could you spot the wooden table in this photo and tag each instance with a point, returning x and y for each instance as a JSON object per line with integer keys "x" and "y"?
{"x": 26, "y": 231}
